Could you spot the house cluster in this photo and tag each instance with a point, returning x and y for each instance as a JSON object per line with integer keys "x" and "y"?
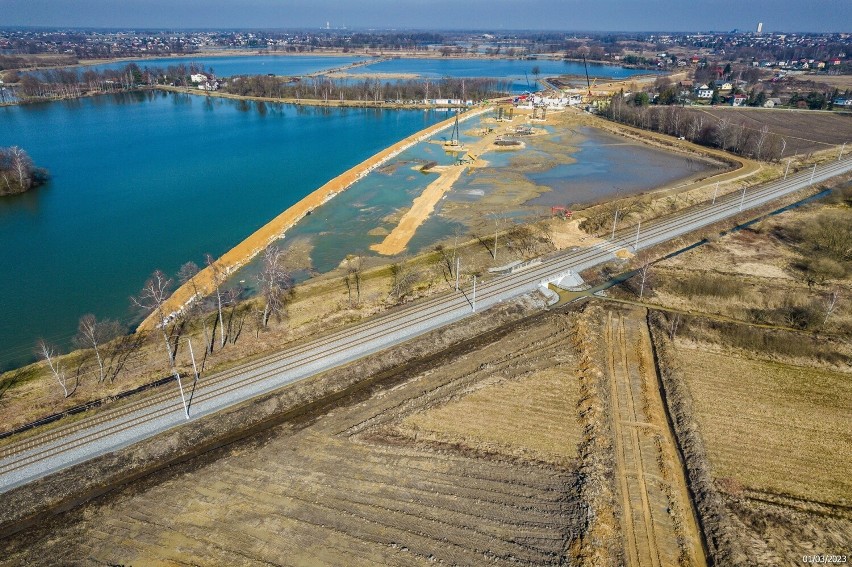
{"x": 801, "y": 64}
{"x": 205, "y": 81}
{"x": 729, "y": 92}
{"x": 531, "y": 101}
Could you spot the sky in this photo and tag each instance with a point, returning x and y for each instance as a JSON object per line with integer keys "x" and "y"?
{"x": 563, "y": 15}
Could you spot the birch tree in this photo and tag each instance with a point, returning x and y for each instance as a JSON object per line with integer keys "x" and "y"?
{"x": 218, "y": 278}
{"x": 830, "y": 304}
{"x": 47, "y": 352}
{"x": 152, "y": 299}
{"x": 275, "y": 281}
{"x": 92, "y": 334}
{"x": 186, "y": 275}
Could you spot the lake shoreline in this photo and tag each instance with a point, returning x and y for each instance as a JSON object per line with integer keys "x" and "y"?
{"x": 205, "y": 281}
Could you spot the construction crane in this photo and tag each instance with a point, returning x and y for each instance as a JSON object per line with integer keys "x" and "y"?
{"x": 588, "y": 84}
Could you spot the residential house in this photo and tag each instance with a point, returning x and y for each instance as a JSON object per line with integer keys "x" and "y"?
{"x": 738, "y": 100}
{"x": 704, "y": 92}
{"x": 198, "y": 78}
{"x": 723, "y": 85}
{"x": 772, "y": 102}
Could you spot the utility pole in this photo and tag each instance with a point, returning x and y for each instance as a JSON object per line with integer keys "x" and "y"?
{"x": 716, "y": 192}
{"x": 638, "y": 227}
{"x": 787, "y": 168}
{"x": 613, "y": 225}
{"x": 742, "y": 199}
{"x": 812, "y": 175}
{"x": 474, "y": 293}
{"x": 182, "y": 397}
{"x": 457, "y": 273}
{"x": 496, "y": 229}
{"x": 191, "y": 354}
{"x": 843, "y": 147}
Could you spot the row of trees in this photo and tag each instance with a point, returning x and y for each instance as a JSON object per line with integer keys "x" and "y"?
{"x": 17, "y": 172}
{"x": 323, "y": 88}
{"x": 698, "y": 127}
{"x": 221, "y": 316}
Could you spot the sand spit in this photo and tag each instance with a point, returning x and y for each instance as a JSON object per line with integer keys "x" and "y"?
{"x": 243, "y": 252}
{"x": 423, "y": 206}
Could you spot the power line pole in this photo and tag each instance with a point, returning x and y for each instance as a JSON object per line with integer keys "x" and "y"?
{"x": 638, "y": 227}
{"x": 812, "y": 175}
{"x": 182, "y": 397}
{"x": 474, "y": 293}
{"x": 843, "y": 147}
{"x": 613, "y": 225}
{"x": 716, "y": 192}
{"x": 787, "y": 168}
{"x": 457, "y": 273}
{"x": 742, "y": 199}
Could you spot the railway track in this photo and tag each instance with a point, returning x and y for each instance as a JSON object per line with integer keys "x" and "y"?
{"x": 105, "y": 431}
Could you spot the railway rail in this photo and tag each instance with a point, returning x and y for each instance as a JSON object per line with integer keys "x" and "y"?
{"x": 62, "y": 446}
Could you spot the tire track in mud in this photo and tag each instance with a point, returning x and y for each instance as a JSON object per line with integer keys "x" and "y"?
{"x": 656, "y": 528}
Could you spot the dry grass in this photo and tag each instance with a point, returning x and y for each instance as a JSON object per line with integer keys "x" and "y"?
{"x": 774, "y": 427}
{"x": 504, "y": 414}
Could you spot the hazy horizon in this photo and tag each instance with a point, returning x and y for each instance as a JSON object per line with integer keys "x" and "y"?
{"x": 450, "y": 15}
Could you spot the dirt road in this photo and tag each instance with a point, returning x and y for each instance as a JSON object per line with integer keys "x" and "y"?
{"x": 658, "y": 524}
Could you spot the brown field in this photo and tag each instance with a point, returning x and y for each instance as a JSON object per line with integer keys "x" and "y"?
{"x": 774, "y": 427}
{"x": 805, "y": 131}
{"x": 360, "y": 485}
{"x": 501, "y": 416}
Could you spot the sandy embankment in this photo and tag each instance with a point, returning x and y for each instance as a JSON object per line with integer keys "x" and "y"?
{"x": 424, "y": 205}
{"x": 243, "y": 252}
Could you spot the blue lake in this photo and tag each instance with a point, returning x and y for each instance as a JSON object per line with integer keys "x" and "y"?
{"x": 151, "y": 180}
{"x": 498, "y": 68}
{"x": 226, "y": 66}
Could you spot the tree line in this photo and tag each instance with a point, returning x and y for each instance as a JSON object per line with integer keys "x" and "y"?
{"x": 698, "y": 127}
{"x": 221, "y": 317}
{"x": 71, "y": 83}
{"x": 375, "y": 90}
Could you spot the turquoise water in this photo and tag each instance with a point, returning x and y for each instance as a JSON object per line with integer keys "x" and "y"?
{"x": 517, "y": 71}
{"x": 226, "y": 66}
{"x": 498, "y": 68}
{"x": 151, "y": 180}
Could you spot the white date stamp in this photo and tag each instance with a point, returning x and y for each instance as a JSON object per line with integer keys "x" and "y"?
{"x": 824, "y": 558}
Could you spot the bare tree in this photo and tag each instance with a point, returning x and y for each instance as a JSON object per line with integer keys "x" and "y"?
{"x": 48, "y": 353}
{"x": 92, "y": 333}
{"x": 152, "y": 299}
{"x": 275, "y": 281}
{"x": 830, "y": 304}
{"x": 186, "y": 275}
{"x": 674, "y": 323}
{"x": 403, "y": 278}
{"x": 643, "y": 272}
{"x": 353, "y": 278}
{"x": 218, "y": 278}
{"x": 760, "y": 140}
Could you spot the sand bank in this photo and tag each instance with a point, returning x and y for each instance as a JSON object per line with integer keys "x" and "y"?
{"x": 424, "y": 205}
{"x": 243, "y": 252}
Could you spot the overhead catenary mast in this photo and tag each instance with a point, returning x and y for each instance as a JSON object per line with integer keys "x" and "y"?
{"x": 588, "y": 84}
